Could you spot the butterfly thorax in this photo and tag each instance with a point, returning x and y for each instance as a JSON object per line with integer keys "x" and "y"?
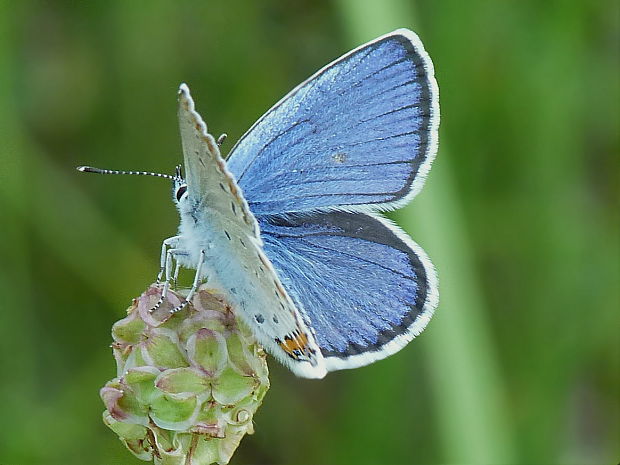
{"x": 193, "y": 236}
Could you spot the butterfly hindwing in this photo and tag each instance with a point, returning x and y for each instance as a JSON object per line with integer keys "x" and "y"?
{"x": 366, "y": 288}
{"x": 360, "y": 134}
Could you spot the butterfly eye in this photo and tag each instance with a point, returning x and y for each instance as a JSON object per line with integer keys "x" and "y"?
{"x": 182, "y": 190}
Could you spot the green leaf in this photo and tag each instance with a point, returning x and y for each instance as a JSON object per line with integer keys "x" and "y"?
{"x": 129, "y": 330}
{"x": 207, "y": 349}
{"x": 174, "y": 411}
{"x": 141, "y": 380}
{"x": 161, "y": 349}
{"x": 231, "y": 387}
{"x": 180, "y": 380}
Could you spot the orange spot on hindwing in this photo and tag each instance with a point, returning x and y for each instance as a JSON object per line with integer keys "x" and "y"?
{"x": 296, "y": 345}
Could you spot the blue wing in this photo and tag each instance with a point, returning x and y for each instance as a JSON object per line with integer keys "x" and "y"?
{"x": 364, "y": 286}
{"x": 361, "y": 131}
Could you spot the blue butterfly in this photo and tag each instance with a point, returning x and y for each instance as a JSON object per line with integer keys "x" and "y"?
{"x": 289, "y": 226}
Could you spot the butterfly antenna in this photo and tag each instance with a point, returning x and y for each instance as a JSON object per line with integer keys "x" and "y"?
{"x": 221, "y": 139}
{"x": 92, "y": 169}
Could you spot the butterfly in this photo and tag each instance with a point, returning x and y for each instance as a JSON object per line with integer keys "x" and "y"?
{"x": 289, "y": 225}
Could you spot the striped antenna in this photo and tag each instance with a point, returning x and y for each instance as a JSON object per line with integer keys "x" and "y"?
{"x": 92, "y": 169}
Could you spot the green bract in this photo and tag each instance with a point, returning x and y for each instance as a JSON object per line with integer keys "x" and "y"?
{"x": 187, "y": 384}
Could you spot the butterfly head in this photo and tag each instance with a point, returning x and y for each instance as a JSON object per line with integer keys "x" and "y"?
{"x": 179, "y": 187}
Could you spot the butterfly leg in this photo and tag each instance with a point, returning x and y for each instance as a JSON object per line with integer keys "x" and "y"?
{"x": 173, "y": 255}
{"x": 175, "y": 276}
{"x": 166, "y": 266}
{"x": 195, "y": 285}
{"x": 170, "y": 242}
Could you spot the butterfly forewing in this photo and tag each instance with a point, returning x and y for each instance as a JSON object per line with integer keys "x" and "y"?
{"x": 216, "y": 219}
{"x": 208, "y": 179}
{"x": 358, "y": 135}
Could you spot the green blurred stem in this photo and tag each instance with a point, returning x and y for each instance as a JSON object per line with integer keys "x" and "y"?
{"x": 464, "y": 369}
{"x": 467, "y": 381}
{"x": 16, "y": 284}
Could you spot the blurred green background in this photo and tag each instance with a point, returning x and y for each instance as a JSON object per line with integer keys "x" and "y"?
{"x": 520, "y": 215}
